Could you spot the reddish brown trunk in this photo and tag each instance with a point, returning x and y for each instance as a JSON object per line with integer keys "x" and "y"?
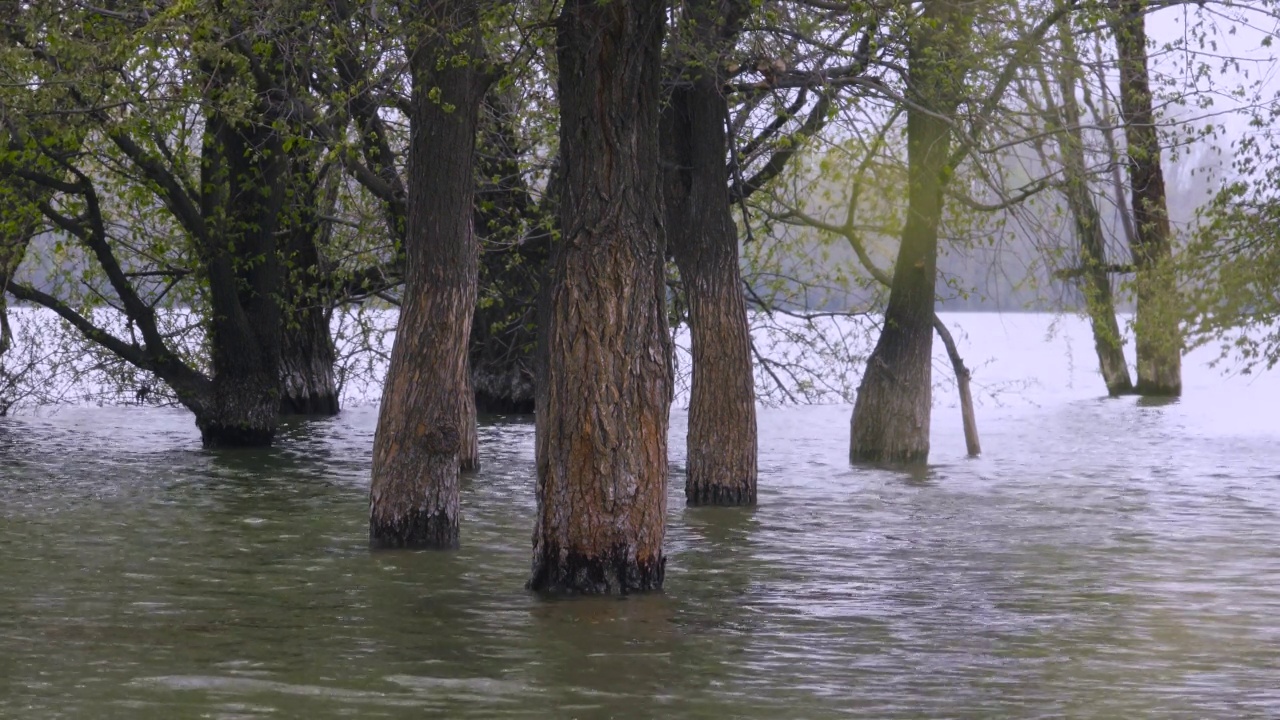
{"x": 414, "y": 490}
{"x": 602, "y": 430}
{"x": 1159, "y": 338}
{"x": 703, "y": 239}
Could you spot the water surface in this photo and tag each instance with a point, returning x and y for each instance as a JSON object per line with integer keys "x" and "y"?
{"x": 1104, "y": 559}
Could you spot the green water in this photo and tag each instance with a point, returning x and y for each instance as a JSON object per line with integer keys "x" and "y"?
{"x": 1105, "y": 559}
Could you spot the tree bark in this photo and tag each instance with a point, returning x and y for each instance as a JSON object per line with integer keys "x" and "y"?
{"x": 416, "y": 456}
{"x": 891, "y": 414}
{"x": 703, "y": 240}
{"x": 602, "y": 433}
{"x": 307, "y": 354}
{"x": 469, "y": 450}
{"x": 242, "y": 197}
{"x": 969, "y": 420}
{"x": 1159, "y": 338}
{"x": 1094, "y": 281}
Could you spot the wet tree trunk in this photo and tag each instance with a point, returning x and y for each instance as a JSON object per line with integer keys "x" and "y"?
{"x": 891, "y": 415}
{"x": 469, "y": 450}
{"x": 1094, "y": 282}
{"x": 703, "y": 239}
{"x": 417, "y": 447}
{"x": 1159, "y": 338}
{"x": 307, "y": 354}
{"x": 970, "y": 420}
{"x": 602, "y": 432}
{"x": 243, "y": 197}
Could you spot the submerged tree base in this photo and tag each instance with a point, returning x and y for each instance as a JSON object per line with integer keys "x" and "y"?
{"x": 415, "y": 530}
{"x": 326, "y": 404}
{"x": 740, "y": 494}
{"x": 617, "y": 572}
{"x": 1147, "y": 388}
{"x": 218, "y": 436}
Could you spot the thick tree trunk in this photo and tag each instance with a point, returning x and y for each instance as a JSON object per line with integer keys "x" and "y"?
{"x": 1095, "y": 282}
{"x": 1159, "y": 338}
{"x": 307, "y": 354}
{"x": 413, "y": 496}
{"x": 891, "y": 415}
{"x": 602, "y": 433}
{"x": 703, "y": 239}
{"x": 243, "y": 197}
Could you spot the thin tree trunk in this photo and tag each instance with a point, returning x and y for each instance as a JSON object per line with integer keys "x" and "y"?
{"x": 602, "y": 432}
{"x": 703, "y": 239}
{"x": 1094, "y": 281}
{"x": 967, "y": 416}
{"x": 469, "y": 451}
{"x": 891, "y": 414}
{"x": 416, "y": 455}
{"x": 1159, "y": 339}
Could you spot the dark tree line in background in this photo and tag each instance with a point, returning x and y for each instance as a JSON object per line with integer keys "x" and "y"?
{"x": 541, "y": 189}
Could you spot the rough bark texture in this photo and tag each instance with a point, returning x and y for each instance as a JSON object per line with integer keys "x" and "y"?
{"x": 416, "y": 454}
{"x": 308, "y": 386}
{"x": 703, "y": 239}
{"x": 307, "y": 354}
{"x": 602, "y": 431}
{"x": 242, "y": 197}
{"x": 1159, "y": 339}
{"x": 1094, "y": 281}
{"x": 891, "y": 415}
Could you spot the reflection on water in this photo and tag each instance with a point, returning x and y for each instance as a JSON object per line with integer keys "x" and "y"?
{"x": 1105, "y": 559}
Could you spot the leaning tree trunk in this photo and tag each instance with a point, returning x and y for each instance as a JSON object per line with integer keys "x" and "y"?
{"x": 602, "y": 433}
{"x": 413, "y": 496}
{"x": 703, "y": 239}
{"x": 892, "y": 412}
{"x": 1094, "y": 282}
{"x": 243, "y": 197}
{"x": 1159, "y": 338}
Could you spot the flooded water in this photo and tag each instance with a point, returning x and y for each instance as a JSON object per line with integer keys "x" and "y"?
{"x": 1103, "y": 559}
